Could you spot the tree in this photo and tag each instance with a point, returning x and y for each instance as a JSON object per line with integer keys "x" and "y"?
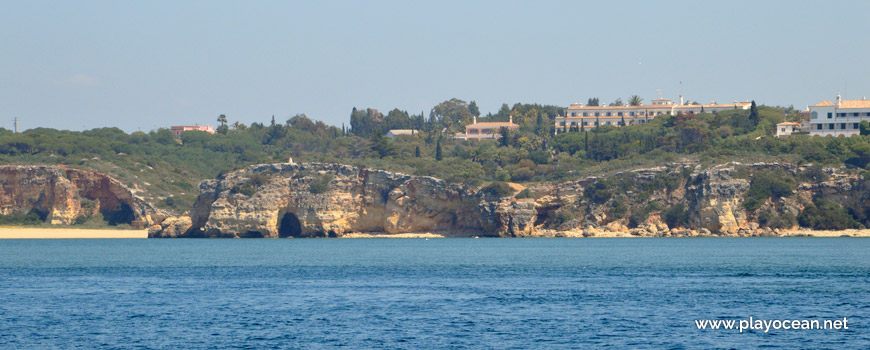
{"x": 618, "y": 102}
{"x": 592, "y": 101}
{"x": 753, "y": 116}
{"x": 382, "y": 145}
{"x": 864, "y": 127}
{"x": 450, "y": 114}
{"x": 505, "y": 136}
{"x": 472, "y": 107}
{"x": 273, "y": 119}
{"x": 622, "y": 121}
{"x": 635, "y": 100}
{"x": 438, "y": 155}
{"x": 586, "y": 142}
{"x": 222, "y": 129}
{"x": 417, "y": 151}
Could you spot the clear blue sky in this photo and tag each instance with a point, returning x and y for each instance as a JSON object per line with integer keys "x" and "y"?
{"x": 142, "y": 65}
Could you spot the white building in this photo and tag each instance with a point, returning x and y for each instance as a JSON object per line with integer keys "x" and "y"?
{"x": 577, "y": 115}
{"x": 400, "y": 132}
{"x": 838, "y": 119}
{"x": 485, "y": 130}
{"x": 786, "y": 129}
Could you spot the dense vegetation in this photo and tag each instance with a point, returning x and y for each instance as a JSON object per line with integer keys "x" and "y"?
{"x": 167, "y": 170}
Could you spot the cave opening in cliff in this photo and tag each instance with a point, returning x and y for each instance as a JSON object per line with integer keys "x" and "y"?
{"x": 289, "y": 226}
{"x": 122, "y": 213}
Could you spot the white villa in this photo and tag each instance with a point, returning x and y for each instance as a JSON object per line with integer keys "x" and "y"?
{"x": 393, "y": 133}
{"x": 577, "y": 115}
{"x": 786, "y": 129}
{"x": 838, "y": 119}
{"x": 485, "y": 130}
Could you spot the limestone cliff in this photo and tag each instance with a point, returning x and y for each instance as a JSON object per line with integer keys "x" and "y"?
{"x": 325, "y": 200}
{"x": 60, "y": 195}
{"x": 331, "y": 200}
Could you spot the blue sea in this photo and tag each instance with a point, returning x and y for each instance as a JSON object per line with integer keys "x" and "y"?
{"x": 432, "y": 294}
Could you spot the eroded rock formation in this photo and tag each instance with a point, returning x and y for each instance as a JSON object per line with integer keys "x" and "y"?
{"x": 60, "y": 195}
{"x": 331, "y": 200}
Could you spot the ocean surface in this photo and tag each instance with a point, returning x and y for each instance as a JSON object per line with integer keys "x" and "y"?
{"x": 437, "y": 293}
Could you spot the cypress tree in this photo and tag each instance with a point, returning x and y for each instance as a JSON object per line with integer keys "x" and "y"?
{"x": 586, "y": 143}
{"x": 438, "y": 150}
{"x": 505, "y": 141}
{"x": 753, "y": 115}
{"x": 417, "y": 152}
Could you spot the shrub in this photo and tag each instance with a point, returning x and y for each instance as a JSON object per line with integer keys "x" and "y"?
{"x": 561, "y": 218}
{"x": 321, "y": 184}
{"x": 618, "y": 210}
{"x": 767, "y": 184}
{"x": 525, "y": 193}
{"x": 522, "y": 174}
{"x": 498, "y": 189}
{"x": 772, "y": 220}
{"x": 677, "y": 216}
{"x": 597, "y": 193}
{"x": 826, "y": 215}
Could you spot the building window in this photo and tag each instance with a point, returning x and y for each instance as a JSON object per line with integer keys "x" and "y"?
{"x": 855, "y": 114}
{"x": 561, "y": 123}
{"x": 842, "y": 126}
{"x": 818, "y": 126}
{"x": 573, "y": 123}
{"x": 830, "y": 114}
{"x": 814, "y": 115}
{"x": 841, "y": 114}
{"x": 619, "y": 114}
{"x": 855, "y": 126}
{"x": 585, "y": 114}
{"x": 609, "y": 114}
{"x": 585, "y": 123}
{"x": 597, "y": 114}
{"x": 831, "y": 126}
{"x": 783, "y": 130}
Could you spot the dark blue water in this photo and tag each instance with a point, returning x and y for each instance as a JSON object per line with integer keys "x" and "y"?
{"x": 438, "y": 293}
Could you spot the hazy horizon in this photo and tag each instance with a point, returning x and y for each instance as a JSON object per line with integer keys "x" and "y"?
{"x": 145, "y": 65}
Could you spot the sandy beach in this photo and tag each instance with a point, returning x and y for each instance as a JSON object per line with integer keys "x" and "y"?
{"x": 66, "y": 233}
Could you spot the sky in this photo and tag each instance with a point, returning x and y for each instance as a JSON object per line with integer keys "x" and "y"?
{"x": 144, "y": 65}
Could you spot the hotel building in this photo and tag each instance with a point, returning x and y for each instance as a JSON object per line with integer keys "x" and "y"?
{"x": 838, "y": 119}
{"x": 577, "y": 115}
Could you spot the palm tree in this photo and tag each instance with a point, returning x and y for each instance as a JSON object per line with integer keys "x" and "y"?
{"x": 635, "y": 100}
{"x": 222, "y": 119}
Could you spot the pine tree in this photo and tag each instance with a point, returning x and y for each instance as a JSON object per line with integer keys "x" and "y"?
{"x": 273, "y": 119}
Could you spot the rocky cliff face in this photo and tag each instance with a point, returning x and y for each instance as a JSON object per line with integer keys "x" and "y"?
{"x": 325, "y": 200}
{"x": 331, "y": 200}
{"x": 702, "y": 201}
{"x": 60, "y": 195}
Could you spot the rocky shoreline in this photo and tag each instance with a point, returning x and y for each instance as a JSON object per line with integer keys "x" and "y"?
{"x": 334, "y": 200}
